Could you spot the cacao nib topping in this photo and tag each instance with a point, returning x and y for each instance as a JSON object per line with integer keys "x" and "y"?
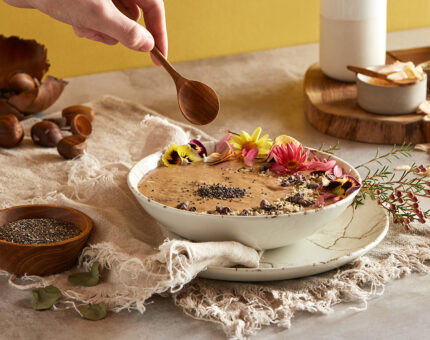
{"x": 245, "y": 212}
{"x": 264, "y": 167}
{"x": 183, "y": 205}
{"x": 312, "y": 185}
{"x": 293, "y": 180}
{"x": 300, "y": 200}
{"x": 265, "y": 205}
{"x": 223, "y": 210}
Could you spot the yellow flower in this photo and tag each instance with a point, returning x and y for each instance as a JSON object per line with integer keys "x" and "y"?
{"x": 179, "y": 154}
{"x": 285, "y": 140}
{"x": 243, "y": 143}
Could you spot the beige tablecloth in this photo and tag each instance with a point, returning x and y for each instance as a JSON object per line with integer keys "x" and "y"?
{"x": 139, "y": 262}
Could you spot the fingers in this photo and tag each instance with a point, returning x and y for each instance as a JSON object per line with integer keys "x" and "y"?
{"x": 129, "y": 8}
{"x": 18, "y": 3}
{"x": 94, "y": 35}
{"x": 155, "y": 20}
{"x": 113, "y": 23}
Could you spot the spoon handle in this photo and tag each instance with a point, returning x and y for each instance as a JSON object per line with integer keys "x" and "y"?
{"x": 169, "y": 68}
{"x": 367, "y": 72}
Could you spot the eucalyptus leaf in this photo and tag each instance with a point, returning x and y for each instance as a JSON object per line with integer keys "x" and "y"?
{"x": 93, "y": 312}
{"x": 44, "y": 298}
{"x": 86, "y": 279}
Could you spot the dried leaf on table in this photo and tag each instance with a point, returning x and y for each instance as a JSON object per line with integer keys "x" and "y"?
{"x": 87, "y": 279}
{"x": 44, "y": 298}
{"x": 93, "y": 312}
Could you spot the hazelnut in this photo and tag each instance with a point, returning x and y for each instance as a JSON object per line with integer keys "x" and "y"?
{"x": 80, "y": 125}
{"x": 72, "y": 146}
{"x": 46, "y": 133}
{"x": 71, "y": 111}
{"x": 11, "y": 131}
{"x": 20, "y": 81}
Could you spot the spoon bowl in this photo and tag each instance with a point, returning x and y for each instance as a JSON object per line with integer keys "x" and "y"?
{"x": 198, "y": 102}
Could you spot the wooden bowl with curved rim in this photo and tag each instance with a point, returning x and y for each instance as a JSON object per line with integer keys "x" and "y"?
{"x": 43, "y": 259}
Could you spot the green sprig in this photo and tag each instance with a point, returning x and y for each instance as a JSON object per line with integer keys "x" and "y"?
{"x": 396, "y": 194}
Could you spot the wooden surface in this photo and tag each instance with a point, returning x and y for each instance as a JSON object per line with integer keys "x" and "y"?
{"x": 43, "y": 259}
{"x": 330, "y": 106}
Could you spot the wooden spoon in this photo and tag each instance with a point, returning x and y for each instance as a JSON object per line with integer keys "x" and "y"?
{"x": 198, "y": 102}
{"x": 375, "y": 74}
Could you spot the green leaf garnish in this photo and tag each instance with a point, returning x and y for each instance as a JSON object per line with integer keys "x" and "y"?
{"x": 44, "y": 298}
{"x": 87, "y": 279}
{"x": 93, "y": 312}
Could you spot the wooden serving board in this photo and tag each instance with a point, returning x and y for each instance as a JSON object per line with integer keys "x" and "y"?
{"x": 331, "y": 107}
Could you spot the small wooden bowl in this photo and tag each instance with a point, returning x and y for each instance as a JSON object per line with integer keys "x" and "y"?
{"x": 43, "y": 259}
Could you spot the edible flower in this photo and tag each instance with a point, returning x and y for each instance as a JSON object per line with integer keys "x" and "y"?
{"x": 289, "y": 158}
{"x": 340, "y": 186}
{"x": 284, "y": 139}
{"x": 198, "y": 147}
{"x": 179, "y": 154}
{"x": 217, "y": 157}
{"x": 323, "y": 165}
{"x": 250, "y": 148}
{"x": 223, "y": 144}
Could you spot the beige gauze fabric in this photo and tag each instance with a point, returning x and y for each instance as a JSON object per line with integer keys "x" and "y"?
{"x": 139, "y": 258}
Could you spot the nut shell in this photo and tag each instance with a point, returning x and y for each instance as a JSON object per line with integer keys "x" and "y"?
{"x": 46, "y": 133}
{"x": 80, "y": 125}
{"x": 11, "y": 131}
{"x": 71, "y": 111}
{"x": 72, "y": 146}
{"x": 20, "y": 81}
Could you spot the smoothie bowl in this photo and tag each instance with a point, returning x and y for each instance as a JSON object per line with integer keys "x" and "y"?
{"x": 244, "y": 188}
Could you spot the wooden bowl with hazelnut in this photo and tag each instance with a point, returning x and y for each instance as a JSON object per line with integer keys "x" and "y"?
{"x": 43, "y": 258}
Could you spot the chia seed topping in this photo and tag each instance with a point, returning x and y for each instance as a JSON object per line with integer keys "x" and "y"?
{"x": 220, "y": 191}
{"x": 38, "y": 231}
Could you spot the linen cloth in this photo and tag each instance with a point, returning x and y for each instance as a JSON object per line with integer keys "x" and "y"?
{"x": 133, "y": 249}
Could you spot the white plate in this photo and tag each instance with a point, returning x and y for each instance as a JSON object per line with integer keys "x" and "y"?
{"x": 351, "y": 235}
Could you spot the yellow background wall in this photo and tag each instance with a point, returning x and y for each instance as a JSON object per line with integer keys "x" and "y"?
{"x": 197, "y": 29}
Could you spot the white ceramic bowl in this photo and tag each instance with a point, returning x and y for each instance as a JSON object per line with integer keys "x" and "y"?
{"x": 260, "y": 232}
{"x": 390, "y": 100}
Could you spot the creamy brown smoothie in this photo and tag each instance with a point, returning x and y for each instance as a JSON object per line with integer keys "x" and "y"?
{"x": 229, "y": 188}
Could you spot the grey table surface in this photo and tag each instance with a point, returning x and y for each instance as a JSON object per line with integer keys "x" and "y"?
{"x": 401, "y": 313}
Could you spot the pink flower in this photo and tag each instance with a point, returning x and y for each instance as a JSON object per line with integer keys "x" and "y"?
{"x": 317, "y": 165}
{"x": 249, "y": 156}
{"x": 223, "y": 144}
{"x": 289, "y": 158}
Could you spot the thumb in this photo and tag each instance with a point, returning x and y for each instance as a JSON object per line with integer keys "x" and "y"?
{"x": 128, "y": 32}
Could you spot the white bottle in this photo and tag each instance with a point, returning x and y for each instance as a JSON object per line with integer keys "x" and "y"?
{"x": 352, "y": 32}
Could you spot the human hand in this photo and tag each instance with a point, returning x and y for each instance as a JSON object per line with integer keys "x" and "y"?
{"x": 102, "y": 21}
